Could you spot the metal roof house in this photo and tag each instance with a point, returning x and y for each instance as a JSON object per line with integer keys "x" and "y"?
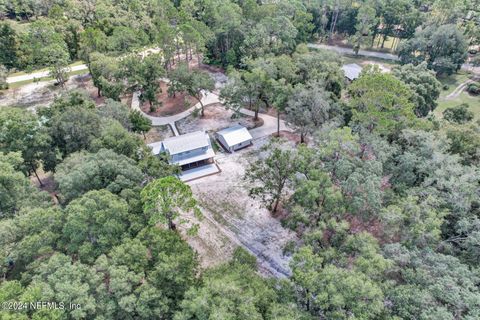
{"x": 234, "y": 138}
{"x": 352, "y": 71}
{"x": 189, "y": 150}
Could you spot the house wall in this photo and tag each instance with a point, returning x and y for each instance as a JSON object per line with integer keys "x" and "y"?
{"x": 241, "y": 145}
{"x": 223, "y": 142}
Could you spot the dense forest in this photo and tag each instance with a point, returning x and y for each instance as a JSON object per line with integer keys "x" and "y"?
{"x": 384, "y": 196}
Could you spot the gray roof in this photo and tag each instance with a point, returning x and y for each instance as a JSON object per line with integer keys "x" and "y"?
{"x": 156, "y": 147}
{"x": 352, "y": 70}
{"x": 235, "y": 135}
{"x": 186, "y": 142}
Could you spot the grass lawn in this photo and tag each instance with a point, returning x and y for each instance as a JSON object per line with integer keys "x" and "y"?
{"x": 473, "y": 102}
{"x": 452, "y": 82}
{"x": 21, "y": 73}
{"x": 388, "y": 43}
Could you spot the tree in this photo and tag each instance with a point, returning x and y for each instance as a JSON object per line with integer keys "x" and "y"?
{"x": 167, "y": 199}
{"x": 3, "y": 78}
{"x": 466, "y": 143}
{"x": 24, "y": 132}
{"x": 74, "y": 129}
{"x": 107, "y": 75}
{"x": 356, "y": 168}
{"x": 415, "y": 222}
{"x": 115, "y": 137}
{"x": 315, "y": 200}
{"x": 31, "y": 234}
{"x": 16, "y": 191}
{"x": 308, "y": 109}
{"x": 366, "y": 21}
{"x": 423, "y": 84}
{"x": 421, "y": 281}
{"x": 84, "y": 231}
{"x": 92, "y": 40}
{"x": 272, "y": 174}
{"x": 8, "y": 46}
{"x": 459, "y": 114}
{"x": 144, "y": 75}
{"x": 196, "y": 83}
{"x": 333, "y": 292}
{"x": 82, "y": 172}
{"x": 37, "y": 44}
{"x": 58, "y": 63}
{"x": 381, "y": 103}
{"x": 443, "y": 48}
{"x": 238, "y": 92}
{"x": 140, "y": 123}
{"x": 234, "y": 292}
{"x": 124, "y": 39}
{"x": 115, "y": 110}
{"x": 78, "y": 283}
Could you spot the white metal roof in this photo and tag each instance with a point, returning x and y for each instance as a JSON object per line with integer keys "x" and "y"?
{"x": 235, "y": 135}
{"x": 352, "y": 70}
{"x": 186, "y": 142}
{"x": 156, "y": 147}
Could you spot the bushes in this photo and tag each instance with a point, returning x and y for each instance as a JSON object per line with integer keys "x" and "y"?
{"x": 473, "y": 88}
{"x": 459, "y": 114}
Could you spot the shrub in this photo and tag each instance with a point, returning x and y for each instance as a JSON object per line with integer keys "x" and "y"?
{"x": 459, "y": 114}
{"x": 473, "y": 88}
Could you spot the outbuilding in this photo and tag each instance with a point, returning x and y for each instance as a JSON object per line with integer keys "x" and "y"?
{"x": 352, "y": 71}
{"x": 234, "y": 138}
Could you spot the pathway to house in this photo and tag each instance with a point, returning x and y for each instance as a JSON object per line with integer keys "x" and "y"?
{"x": 455, "y": 93}
{"x": 269, "y": 123}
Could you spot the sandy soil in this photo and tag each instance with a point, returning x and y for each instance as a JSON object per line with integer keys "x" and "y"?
{"x": 169, "y": 105}
{"x": 34, "y": 95}
{"x": 158, "y": 134}
{"x": 232, "y": 218}
{"x": 216, "y": 117}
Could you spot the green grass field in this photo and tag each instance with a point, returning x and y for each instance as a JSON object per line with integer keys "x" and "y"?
{"x": 21, "y": 73}
{"x": 452, "y": 82}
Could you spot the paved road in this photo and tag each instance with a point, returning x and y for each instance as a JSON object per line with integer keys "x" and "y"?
{"x": 365, "y": 53}
{"x": 380, "y": 55}
{"x": 42, "y": 74}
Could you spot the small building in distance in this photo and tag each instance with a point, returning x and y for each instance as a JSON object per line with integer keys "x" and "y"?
{"x": 352, "y": 71}
{"x": 234, "y": 138}
{"x": 191, "y": 150}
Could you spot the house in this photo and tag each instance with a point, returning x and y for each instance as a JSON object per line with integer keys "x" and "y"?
{"x": 352, "y": 71}
{"x": 234, "y": 138}
{"x": 191, "y": 150}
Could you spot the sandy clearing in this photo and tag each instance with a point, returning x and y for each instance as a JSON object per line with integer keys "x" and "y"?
{"x": 232, "y": 218}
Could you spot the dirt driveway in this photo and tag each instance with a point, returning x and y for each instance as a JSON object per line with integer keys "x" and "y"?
{"x": 232, "y": 218}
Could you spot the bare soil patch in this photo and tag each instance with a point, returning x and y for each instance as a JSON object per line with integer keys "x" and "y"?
{"x": 216, "y": 117}
{"x": 169, "y": 105}
{"x": 158, "y": 134}
{"x": 40, "y": 94}
{"x": 232, "y": 218}
{"x": 290, "y": 136}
